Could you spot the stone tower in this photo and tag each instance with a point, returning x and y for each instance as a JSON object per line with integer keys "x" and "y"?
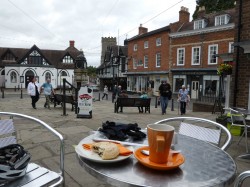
{"x": 106, "y": 41}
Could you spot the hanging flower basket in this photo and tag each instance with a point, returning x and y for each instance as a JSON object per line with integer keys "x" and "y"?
{"x": 224, "y": 69}
{"x": 227, "y": 72}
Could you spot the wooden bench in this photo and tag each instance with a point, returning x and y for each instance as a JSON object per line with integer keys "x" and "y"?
{"x": 132, "y": 102}
{"x": 58, "y": 100}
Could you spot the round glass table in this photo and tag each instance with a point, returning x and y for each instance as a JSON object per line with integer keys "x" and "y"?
{"x": 205, "y": 165}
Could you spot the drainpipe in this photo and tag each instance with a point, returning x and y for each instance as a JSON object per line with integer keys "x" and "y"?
{"x": 237, "y": 54}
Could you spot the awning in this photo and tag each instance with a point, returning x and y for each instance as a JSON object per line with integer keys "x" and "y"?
{"x": 226, "y": 57}
{"x": 244, "y": 44}
{"x": 147, "y": 73}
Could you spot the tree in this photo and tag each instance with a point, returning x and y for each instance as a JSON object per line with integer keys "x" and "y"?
{"x": 91, "y": 71}
{"x": 213, "y": 6}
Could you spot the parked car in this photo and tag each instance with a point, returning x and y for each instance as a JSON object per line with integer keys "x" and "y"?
{"x": 95, "y": 88}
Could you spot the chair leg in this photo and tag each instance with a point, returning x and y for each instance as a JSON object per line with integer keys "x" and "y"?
{"x": 241, "y": 137}
{"x": 246, "y": 139}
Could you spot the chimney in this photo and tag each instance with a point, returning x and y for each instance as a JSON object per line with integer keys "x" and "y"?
{"x": 201, "y": 12}
{"x": 72, "y": 43}
{"x": 184, "y": 15}
{"x": 142, "y": 30}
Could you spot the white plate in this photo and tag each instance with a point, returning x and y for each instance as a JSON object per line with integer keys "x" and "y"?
{"x": 90, "y": 155}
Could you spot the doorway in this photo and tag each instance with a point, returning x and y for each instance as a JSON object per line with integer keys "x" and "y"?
{"x": 28, "y": 75}
{"x": 195, "y": 89}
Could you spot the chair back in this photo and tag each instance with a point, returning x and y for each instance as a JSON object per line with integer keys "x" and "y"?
{"x": 7, "y": 132}
{"x": 201, "y": 133}
{"x": 202, "y": 129}
{"x": 237, "y": 118}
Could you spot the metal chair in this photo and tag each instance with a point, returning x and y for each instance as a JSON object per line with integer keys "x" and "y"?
{"x": 240, "y": 179}
{"x": 238, "y": 120}
{"x": 202, "y": 129}
{"x": 35, "y": 174}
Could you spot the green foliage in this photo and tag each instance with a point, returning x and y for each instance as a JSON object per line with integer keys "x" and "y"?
{"x": 91, "y": 71}
{"x": 213, "y": 6}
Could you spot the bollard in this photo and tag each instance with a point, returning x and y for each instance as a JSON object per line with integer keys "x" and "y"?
{"x": 172, "y": 107}
{"x": 21, "y": 94}
{"x": 15, "y": 88}
{"x": 155, "y": 101}
{"x": 99, "y": 97}
{"x": 3, "y": 93}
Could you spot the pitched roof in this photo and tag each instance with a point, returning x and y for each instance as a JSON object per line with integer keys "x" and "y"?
{"x": 210, "y": 19}
{"x": 54, "y": 57}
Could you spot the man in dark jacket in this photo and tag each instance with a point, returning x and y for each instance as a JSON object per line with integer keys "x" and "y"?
{"x": 165, "y": 94}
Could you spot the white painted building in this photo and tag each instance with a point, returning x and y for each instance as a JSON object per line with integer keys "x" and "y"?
{"x": 19, "y": 65}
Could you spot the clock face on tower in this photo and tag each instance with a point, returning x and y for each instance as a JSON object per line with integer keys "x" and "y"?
{"x": 79, "y": 64}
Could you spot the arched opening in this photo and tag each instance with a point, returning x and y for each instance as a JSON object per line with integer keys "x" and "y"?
{"x": 13, "y": 77}
{"x": 28, "y": 75}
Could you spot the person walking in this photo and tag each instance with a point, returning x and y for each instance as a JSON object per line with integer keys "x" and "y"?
{"x": 33, "y": 90}
{"x": 165, "y": 94}
{"x": 105, "y": 92}
{"x": 183, "y": 98}
{"x": 47, "y": 90}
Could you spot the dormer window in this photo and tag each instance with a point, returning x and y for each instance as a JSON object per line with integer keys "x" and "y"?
{"x": 222, "y": 19}
{"x": 199, "y": 24}
{"x": 68, "y": 60}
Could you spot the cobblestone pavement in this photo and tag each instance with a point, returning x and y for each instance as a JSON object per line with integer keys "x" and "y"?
{"x": 44, "y": 147}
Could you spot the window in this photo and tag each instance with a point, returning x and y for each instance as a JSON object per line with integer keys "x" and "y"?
{"x": 222, "y": 20}
{"x": 230, "y": 47}
{"x": 9, "y": 56}
{"x": 140, "y": 63}
{"x": 196, "y": 55}
{"x": 179, "y": 80}
{"x": 13, "y": 76}
{"x": 68, "y": 60}
{"x": 145, "y": 44}
{"x": 135, "y": 47}
{"x": 158, "y": 59}
{"x": 211, "y": 85}
{"x": 47, "y": 76}
{"x": 212, "y": 51}
{"x": 199, "y": 24}
{"x": 134, "y": 63}
{"x": 35, "y": 59}
{"x": 180, "y": 56}
{"x": 145, "y": 61}
{"x": 158, "y": 41}
{"x": 63, "y": 73}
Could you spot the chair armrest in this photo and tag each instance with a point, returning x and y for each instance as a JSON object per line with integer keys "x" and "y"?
{"x": 240, "y": 179}
{"x": 53, "y": 131}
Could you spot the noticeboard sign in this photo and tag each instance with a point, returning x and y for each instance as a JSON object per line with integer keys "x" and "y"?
{"x": 85, "y": 100}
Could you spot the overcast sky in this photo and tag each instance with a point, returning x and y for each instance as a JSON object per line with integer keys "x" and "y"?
{"x": 50, "y": 24}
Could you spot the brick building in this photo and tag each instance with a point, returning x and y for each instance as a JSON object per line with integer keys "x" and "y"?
{"x": 240, "y": 87}
{"x": 148, "y": 59}
{"x": 193, "y": 49}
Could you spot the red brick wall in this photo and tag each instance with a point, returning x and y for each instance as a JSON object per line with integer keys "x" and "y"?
{"x": 243, "y": 76}
{"x": 221, "y": 38}
{"x": 150, "y": 51}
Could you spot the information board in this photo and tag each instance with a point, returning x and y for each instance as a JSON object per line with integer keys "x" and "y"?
{"x": 85, "y": 100}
